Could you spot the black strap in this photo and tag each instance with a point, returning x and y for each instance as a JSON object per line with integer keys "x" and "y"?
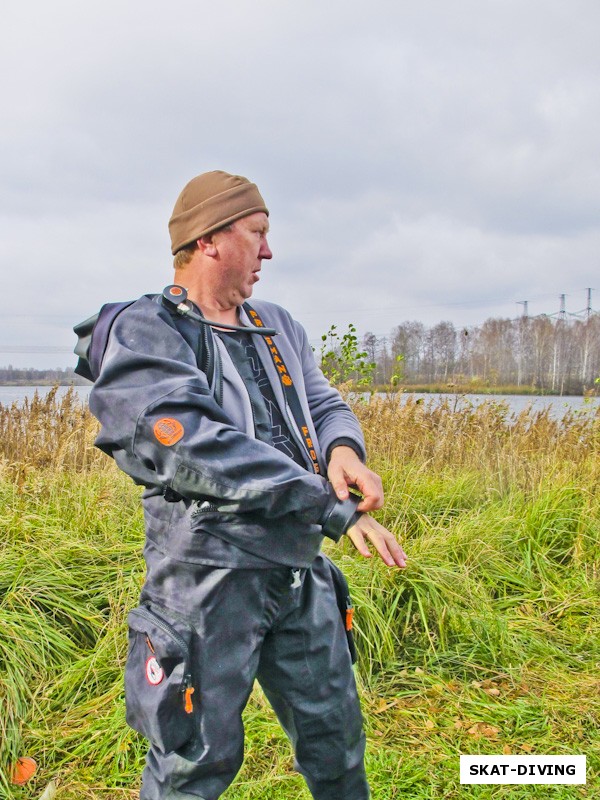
{"x": 289, "y": 389}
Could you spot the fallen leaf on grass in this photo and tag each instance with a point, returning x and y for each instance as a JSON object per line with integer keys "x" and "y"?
{"x": 49, "y": 792}
{"x": 384, "y": 705}
{"x": 435, "y": 690}
{"x": 480, "y": 729}
{"x": 489, "y": 687}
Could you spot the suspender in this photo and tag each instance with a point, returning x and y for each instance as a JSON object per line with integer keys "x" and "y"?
{"x": 289, "y": 389}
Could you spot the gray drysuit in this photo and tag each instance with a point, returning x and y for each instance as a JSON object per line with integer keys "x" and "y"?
{"x": 236, "y": 587}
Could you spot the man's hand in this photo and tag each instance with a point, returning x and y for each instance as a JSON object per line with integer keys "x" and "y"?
{"x": 346, "y": 469}
{"x": 390, "y": 552}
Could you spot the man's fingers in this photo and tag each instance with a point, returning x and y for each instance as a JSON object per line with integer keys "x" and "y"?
{"x": 388, "y": 553}
{"x": 370, "y": 486}
{"x": 358, "y": 540}
{"x": 384, "y": 542}
{"x": 370, "y": 503}
{"x": 338, "y": 480}
{"x": 395, "y": 555}
{"x": 347, "y": 470}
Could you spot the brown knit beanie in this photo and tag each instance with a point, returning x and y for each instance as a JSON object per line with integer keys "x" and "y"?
{"x": 210, "y": 201}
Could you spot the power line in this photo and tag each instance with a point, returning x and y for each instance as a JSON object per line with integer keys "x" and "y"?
{"x": 562, "y": 314}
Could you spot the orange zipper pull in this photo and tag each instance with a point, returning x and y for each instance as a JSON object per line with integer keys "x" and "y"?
{"x": 349, "y": 618}
{"x": 189, "y": 706}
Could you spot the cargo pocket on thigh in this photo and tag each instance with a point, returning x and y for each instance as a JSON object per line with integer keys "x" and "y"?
{"x": 158, "y": 680}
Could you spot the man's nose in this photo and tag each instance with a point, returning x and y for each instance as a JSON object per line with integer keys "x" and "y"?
{"x": 265, "y": 250}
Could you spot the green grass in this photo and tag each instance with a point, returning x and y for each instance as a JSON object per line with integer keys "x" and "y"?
{"x": 487, "y": 643}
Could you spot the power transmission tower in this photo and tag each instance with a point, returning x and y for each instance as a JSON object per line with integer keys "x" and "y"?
{"x": 563, "y": 309}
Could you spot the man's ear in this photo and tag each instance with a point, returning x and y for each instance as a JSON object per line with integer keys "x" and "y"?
{"x": 207, "y": 245}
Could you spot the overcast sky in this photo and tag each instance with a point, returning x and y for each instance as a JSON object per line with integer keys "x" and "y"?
{"x": 430, "y": 160}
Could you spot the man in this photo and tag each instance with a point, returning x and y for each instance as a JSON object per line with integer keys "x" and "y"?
{"x": 232, "y": 432}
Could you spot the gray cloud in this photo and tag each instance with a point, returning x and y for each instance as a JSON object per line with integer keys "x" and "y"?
{"x": 426, "y": 160}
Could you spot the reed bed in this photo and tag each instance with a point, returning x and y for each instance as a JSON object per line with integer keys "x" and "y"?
{"x": 49, "y": 432}
{"x": 488, "y": 642}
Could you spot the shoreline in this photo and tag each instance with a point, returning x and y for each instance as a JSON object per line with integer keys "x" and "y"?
{"x": 507, "y": 391}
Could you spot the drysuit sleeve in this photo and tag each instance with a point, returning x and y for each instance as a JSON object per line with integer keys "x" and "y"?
{"x": 163, "y": 427}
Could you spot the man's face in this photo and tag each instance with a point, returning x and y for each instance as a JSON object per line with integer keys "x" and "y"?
{"x": 241, "y": 251}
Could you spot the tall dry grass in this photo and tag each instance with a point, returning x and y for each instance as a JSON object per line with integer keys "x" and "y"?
{"x": 49, "y": 432}
{"x": 454, "y": 432}
{"x": 487, "y": 643}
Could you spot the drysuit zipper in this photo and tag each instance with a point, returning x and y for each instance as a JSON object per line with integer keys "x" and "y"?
{"x": 186, "y": 684}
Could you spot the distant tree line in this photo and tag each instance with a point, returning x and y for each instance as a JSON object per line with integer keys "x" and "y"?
{"x": 38, "y": 377}
{"x": 558, "y": 355}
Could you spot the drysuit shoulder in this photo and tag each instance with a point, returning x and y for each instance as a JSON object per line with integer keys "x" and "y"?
{"x": 92, "y": 338}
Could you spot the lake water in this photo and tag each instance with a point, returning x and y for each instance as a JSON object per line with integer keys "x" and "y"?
{"x": 559, "y": 406}
{"x": 16, "y": 394}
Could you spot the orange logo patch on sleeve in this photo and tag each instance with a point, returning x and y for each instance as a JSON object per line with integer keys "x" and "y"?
{"x": 168, "y": 431}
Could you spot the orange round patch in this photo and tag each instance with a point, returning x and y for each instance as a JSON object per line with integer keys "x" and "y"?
{"x": 168, "y": 431}
{"x": 23, "y": 771}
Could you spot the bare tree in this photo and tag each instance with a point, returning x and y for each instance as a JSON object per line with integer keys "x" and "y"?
{"x": 558, "y": 355}
{"x": 408, "y": 341}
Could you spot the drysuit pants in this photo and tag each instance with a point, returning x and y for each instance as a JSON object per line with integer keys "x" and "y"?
{"x": 278, "y": 625}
